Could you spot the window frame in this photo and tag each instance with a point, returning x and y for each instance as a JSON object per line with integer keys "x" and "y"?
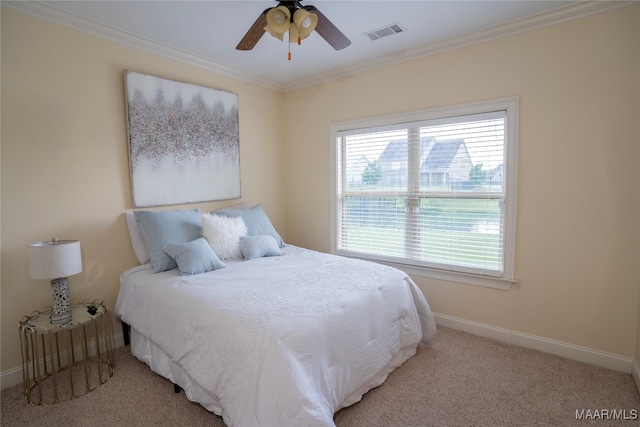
{"x": 510, "y": 173}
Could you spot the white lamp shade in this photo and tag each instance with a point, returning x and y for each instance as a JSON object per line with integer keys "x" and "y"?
{"x": 54, "y": 259}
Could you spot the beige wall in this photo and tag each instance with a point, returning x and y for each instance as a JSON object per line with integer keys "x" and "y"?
{"x": 579, "y": 161}
{"x": 65, "y": 165}
{"x": 638, "y": 329}
{"x": 65, "y": 168}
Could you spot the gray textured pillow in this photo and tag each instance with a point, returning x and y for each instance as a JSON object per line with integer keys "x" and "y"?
{"x": 160, "y": 228}
{"x": 253, "y": 247}
{"x": 194, "y": 257}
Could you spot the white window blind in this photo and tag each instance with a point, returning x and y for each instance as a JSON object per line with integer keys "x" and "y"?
{"x": 431, "y": 193}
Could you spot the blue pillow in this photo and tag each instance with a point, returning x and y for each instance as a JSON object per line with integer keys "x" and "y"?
{"x": 194, "y": 257}
{"x": 259, "y": 246}
{"x": 159, "y": 228}
{"x": 256, "y": 220}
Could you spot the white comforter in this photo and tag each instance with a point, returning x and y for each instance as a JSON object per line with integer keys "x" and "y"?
{"x": 283, "y": 340}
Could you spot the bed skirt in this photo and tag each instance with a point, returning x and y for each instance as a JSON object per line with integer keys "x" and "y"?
{"x": 158, "y": 361}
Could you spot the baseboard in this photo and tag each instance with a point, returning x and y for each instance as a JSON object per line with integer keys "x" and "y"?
{"x": 636, "y": 374}
{"x": 559, "y": 348}
{"x": 13, "y": 376}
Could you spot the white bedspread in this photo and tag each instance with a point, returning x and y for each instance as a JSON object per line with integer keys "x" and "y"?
{"x": 283, "y": 340}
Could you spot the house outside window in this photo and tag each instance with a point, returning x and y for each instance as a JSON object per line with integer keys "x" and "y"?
{"x": 436, "y": 191}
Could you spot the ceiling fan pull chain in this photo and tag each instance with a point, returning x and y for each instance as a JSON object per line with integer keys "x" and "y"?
{"x": 289, "y": 56}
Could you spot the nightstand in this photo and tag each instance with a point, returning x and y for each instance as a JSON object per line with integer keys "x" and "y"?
{"x": 62, "y": 362}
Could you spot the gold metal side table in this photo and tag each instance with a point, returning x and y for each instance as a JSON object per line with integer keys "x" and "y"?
{"x": 61, "y": 362}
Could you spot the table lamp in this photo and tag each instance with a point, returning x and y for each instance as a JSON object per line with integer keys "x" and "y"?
{"x": 55, "y": 260}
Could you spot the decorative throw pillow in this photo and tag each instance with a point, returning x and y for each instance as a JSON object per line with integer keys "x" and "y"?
{"x": 159, "y": 228}
{"x": 194, "y": 257}
{"x": 223, "y": 234}
{"x": 259, "y": 246}
{"x": 137, "y": 239}
{"x": 257, "y": 222}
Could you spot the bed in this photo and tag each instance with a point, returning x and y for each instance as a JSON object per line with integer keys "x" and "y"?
{"x": 275, "y": 334}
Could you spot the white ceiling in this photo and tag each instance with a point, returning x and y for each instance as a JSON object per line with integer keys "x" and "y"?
{"x": 206, "y": 32}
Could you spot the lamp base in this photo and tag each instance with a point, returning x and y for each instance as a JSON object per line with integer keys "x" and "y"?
{"x": 60, "y": 319}
{"x": 61, "y": 308}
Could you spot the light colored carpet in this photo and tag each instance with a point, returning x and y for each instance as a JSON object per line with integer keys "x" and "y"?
{"x": 458, "y": 380}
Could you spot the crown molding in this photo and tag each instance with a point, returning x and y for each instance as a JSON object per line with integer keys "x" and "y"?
{"x": 58, "y": 16}
{"x": 562, "y": 14}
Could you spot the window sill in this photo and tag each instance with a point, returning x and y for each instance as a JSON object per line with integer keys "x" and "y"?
{"x": 449, "y": 276}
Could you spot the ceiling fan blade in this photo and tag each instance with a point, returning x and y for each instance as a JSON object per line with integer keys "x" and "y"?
{"x": 255, "y": 33}
{"x": 328, "y": 31}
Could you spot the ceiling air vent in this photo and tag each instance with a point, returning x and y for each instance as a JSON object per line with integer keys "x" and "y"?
{"x": 385, "y": 31}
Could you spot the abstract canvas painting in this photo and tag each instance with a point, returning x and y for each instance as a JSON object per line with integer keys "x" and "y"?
{"x": 183, "y": 142}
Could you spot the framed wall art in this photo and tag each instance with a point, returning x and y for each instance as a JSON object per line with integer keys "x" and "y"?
{"x": 183, "y": 142}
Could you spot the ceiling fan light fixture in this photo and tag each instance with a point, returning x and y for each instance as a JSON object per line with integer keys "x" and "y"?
{"x": 278, "y": 21}
{"x": 279, "y": 17}
{"x": 294, "y": 34}
{"x": 303, "y": 23}
{"x": 279, "y": 36}
{"x": 299, "y": 20}
{"x": 305, "y": 20}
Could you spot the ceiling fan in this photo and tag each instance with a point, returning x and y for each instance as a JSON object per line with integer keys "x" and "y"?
{"x": 299, "y": 20}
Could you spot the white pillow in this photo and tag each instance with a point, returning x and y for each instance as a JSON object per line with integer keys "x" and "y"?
{"x": 223, "y": 234}
{"x": 137, "y": 240}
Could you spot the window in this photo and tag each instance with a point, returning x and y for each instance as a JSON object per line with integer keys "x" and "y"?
{"x": 431, "y": 192}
